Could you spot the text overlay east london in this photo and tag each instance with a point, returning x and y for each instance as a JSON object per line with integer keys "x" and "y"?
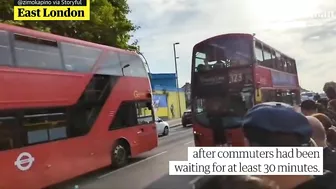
{"x": 51, "y": 9}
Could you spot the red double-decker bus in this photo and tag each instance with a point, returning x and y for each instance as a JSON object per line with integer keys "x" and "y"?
{"x": 230, "y": 74}
{"x": 68, "y": 107}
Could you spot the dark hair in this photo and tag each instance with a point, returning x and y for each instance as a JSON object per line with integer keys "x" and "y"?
{"x": 308, "y": 105}
{"x": 330, "y": 92}
{"x": 321, "y": 108}
{"x": 238, "y": 182}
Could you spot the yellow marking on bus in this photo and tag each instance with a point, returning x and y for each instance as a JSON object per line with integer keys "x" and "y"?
{"x": 258, "y": 96}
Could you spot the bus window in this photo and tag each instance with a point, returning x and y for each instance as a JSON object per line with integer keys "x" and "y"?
{"x": 98, "y": 90}
{"x": 284, "y": 96}
{"x": 45, "y": 125}
{"x": 10, "y": 135}
{"x": 32, "y": 52}
{"x": 267, "y": 57}
{"x": 292, "y": 65}
{"x": 111, "y": 65}
{"x": 259, "y": 53}
{"x": 84, "y": 114}
{"x": 278, "y": 65}
{"x": 200, "y": 62}
{"x": 132, "y": 65}
{"x": 144, "y": 114}
{"x": 288, "y": 66}
{"x": 126, "y": 116}
{"x": 222, "y": 52}
{"x": 81, "y": 119}
{"x": 283, "y": 63}
{"x": 79, "y": 58}
{"x": 5, "y": 52}
{"x": 273, "y": 59}
{"x": 132, "y": 113}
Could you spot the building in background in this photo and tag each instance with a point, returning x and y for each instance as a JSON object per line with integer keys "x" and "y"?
{"x": 165, "y": 96}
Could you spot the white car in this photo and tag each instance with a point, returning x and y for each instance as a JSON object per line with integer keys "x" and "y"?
{"x": 307, "y": 96}
{"x": 162, "y": 127}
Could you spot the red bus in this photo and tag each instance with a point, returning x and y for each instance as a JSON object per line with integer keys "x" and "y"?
{"x": 230, "y": 74}
{"x": 68, "y": 107}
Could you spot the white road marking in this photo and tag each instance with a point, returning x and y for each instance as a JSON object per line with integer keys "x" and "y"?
{"x": 131, "y": 165}
{"x": 188, "y": 142}
{"x": 176, "y": 132}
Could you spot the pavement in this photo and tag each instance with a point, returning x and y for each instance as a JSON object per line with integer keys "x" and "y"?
{"x": 174, "y": 122}
{"x": 147, "y": 171}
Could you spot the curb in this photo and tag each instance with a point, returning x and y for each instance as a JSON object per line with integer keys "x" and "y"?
{"x": 177, "y": 125}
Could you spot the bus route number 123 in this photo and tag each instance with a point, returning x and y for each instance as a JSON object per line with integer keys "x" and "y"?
{"x": 235, "y": 78}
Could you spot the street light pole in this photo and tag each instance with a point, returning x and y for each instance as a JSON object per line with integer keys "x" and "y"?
{"x": 176, "y": 75}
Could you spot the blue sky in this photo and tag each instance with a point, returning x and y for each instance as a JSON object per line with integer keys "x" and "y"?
{"x": 303, "y": 29}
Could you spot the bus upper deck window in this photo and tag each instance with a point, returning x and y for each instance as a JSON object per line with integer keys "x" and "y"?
{"x": 5, "y": 52}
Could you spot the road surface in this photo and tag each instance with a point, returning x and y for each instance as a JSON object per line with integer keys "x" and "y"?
{"x": 149, "y": 170}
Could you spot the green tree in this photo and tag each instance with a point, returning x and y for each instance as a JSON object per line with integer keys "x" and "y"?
{"x": 108, "y": 24}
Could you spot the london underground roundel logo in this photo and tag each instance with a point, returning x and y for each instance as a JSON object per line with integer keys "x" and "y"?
{"x": 24, "y": 161}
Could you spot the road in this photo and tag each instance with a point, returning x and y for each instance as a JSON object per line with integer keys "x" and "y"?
{"x": 149, "y": 170}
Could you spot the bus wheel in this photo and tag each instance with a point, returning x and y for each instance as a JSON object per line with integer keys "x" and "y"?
{"x": 120, "y": 154}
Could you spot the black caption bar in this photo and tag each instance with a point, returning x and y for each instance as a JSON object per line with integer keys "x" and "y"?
{"x": 50, "y": 2}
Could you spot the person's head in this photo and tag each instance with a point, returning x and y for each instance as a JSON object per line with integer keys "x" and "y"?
{"x": 325, "y": 120}
{"x": 308, "y": 107}
{"x": 330, "y": 92}
{"x": 319, "y": 133}
{"x": 238, "y": 182}
{"x": 321, "y": 108}
{"x": 276, "y": 124}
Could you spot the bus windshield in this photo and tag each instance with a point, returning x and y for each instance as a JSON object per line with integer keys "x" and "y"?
{"x": 229, "y": 109}
{"x": 222, "y": 52}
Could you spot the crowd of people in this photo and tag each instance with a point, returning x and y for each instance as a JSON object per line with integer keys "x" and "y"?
{"x": 279, "y": 124}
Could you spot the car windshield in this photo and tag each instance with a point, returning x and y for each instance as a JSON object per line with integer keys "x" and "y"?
{"x": 308, "y": 94}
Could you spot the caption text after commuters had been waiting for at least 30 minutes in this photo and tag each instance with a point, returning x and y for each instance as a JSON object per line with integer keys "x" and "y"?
{"x": 250, "y": 160}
